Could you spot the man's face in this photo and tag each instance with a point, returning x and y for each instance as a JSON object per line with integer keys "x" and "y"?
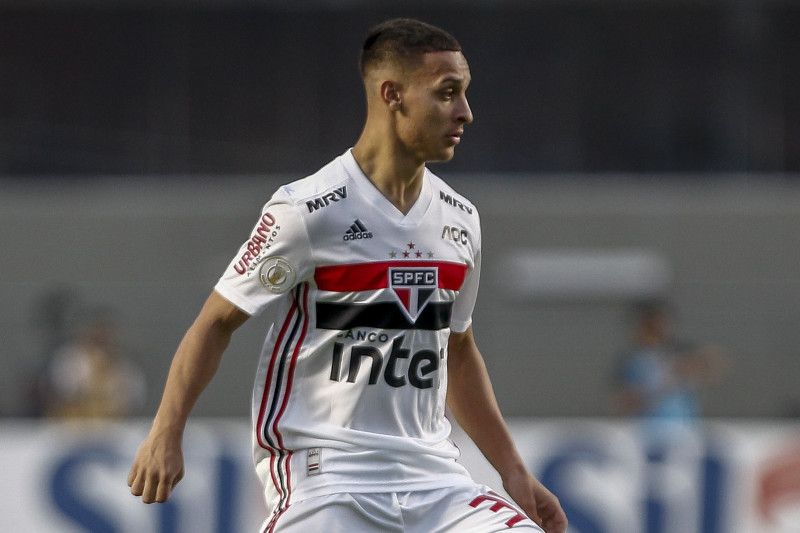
{"x": 435, "y": 107}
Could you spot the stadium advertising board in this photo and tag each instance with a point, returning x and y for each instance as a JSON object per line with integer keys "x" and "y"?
{"x": 742, "y": 477}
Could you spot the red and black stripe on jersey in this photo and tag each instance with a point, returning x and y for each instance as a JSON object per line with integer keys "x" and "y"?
{"x": 382, "y": 315}
{"x": 279, "y": 380}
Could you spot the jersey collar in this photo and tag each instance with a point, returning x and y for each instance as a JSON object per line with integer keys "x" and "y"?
{"x": 376, "y": 197}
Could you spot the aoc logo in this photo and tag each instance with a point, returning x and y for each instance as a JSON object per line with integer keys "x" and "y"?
{"x": 455, "y": 234}
{"x": 413, "y": 287}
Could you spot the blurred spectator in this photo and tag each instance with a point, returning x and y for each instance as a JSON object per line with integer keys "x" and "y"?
{"x": 89, "y": 377}
{"x": 659, "y": 377}
{"x": 53, "y": 322}
{"x": 54, "y": 316}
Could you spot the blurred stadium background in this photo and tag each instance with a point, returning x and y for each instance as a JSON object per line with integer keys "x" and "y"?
{"x": 621, "y": 149}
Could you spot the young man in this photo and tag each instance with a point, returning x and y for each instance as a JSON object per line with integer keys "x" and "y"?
{"x": 369, "y": 269}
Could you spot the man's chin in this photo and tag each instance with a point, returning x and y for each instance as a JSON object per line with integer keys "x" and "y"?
{"x": 444, "y": 156}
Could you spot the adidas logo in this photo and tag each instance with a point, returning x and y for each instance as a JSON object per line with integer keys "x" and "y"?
{"x": 356, "y": 231}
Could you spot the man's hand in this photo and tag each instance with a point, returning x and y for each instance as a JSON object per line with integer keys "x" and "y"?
{"x": 539, "y": 504}
{"x": 158, "y": 467}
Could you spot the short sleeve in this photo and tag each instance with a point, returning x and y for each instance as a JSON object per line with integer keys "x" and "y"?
{"x": 271, "y": 262}
{"x": 467, "y": 296}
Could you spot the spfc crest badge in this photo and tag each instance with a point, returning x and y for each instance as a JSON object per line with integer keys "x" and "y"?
{"x": 413, "y": 287}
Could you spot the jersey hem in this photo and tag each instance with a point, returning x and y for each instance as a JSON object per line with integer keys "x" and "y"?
{"x": 338, "y": 487}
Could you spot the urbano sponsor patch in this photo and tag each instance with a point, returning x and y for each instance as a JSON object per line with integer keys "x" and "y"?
{"x": 259, "y": 242}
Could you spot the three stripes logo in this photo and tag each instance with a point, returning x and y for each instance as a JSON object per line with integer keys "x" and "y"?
{"x": 357, "y": 231}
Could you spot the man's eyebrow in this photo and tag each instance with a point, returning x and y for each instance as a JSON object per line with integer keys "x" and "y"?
{"x": 454, "y": 80}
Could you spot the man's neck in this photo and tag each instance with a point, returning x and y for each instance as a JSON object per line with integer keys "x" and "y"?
{"x": 397, "y": 178}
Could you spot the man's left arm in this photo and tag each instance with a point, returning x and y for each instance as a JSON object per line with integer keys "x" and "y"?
{"x": 472, "y": 401}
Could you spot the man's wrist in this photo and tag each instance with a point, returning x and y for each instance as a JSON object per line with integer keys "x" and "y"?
{"x": 513, "y": 471}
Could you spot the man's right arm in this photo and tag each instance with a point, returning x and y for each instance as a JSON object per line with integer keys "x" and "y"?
{"x": 158, "y": 465}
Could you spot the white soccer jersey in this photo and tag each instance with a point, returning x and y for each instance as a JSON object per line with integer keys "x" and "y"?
{"x": 351, "y": 383}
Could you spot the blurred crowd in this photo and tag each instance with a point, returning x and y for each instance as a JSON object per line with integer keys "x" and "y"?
{"x": 84, "y": 371}
{"x": 660, "y": 376}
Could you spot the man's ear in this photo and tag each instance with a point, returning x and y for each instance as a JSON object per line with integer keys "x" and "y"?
{"x": 391, "y": 94}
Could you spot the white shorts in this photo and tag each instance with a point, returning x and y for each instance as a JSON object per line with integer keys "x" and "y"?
{"x": 460, "y": 509}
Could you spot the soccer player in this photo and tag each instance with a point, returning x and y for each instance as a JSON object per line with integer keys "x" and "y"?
{"x": 369, "y": 272}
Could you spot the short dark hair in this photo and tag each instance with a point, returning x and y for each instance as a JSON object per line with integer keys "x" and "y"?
{"x": 404, "y": 40}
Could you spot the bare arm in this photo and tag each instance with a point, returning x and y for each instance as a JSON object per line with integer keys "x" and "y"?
{"x": 158, "y": 466}
{"x": 472, "y": 401}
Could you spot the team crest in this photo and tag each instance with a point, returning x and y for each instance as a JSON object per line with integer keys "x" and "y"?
{"x": 413, "y": 287}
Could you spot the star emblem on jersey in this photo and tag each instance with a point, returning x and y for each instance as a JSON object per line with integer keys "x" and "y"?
{"x": 410, "y": 251}
{"x": 413, "y": 287}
